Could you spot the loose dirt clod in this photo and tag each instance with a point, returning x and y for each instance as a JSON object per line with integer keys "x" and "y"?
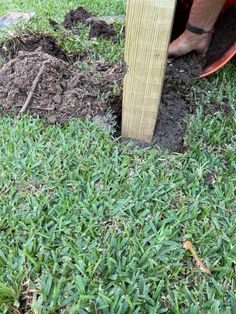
{"x": 210, "y": 178}
{"x": 101, "y": 29}
{"x": 62, "y": 91}
{"x": 98, "y": 28}
{"x": 75, "y": 16}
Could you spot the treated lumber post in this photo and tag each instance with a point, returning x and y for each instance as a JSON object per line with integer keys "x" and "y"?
{"x": 148, "y": 29}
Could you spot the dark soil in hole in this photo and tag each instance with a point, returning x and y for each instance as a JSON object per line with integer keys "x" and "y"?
{"x": 224, "y": 35}
{"x": 175, "y": 106}
{"x": 171, "y": 127}
{"x": 31, "y": 42}
{"x": 63, "y": 92}
{"x": 98, "y": 28}
{"x": 182, "y": 73}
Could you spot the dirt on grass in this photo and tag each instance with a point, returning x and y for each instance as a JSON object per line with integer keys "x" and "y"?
{"x": 75, "y": 16}
{"x": 64, "y": 92}
{"x": 98, "y": 28}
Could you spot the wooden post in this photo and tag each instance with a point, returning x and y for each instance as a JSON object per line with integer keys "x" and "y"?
{"x": 148, "y": 29}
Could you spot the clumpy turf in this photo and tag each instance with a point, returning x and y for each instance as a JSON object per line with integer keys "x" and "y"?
{"x": 90, "y": 225}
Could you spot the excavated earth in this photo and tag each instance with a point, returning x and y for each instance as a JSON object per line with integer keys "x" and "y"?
{"x": 64, "y": 92}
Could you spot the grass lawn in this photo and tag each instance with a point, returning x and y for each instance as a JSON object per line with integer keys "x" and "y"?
{"x": 91, "y": 225}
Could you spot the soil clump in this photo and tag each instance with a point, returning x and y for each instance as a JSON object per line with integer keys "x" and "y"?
{"x": 98, "y": 28}
{"x": 75, "y": 16}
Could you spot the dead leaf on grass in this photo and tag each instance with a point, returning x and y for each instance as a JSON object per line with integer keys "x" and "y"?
{"x": 189, "y": 247}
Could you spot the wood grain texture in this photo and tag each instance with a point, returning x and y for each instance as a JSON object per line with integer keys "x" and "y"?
{"x": 148, "y": 29}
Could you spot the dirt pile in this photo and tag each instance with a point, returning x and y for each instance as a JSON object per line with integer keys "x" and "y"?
{"x": 63, "y": 92}
{"x": 98, "y": 28}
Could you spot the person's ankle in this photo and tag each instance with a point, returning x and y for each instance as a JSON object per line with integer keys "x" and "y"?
{"x": 198, "y": 43}
{"x": 188, "y": 42}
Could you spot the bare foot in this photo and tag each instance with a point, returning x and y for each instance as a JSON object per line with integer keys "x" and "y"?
{"x": 188, "y": 42}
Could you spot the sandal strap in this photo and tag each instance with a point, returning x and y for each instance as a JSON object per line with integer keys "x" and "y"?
{"x": 197, "y": 30}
